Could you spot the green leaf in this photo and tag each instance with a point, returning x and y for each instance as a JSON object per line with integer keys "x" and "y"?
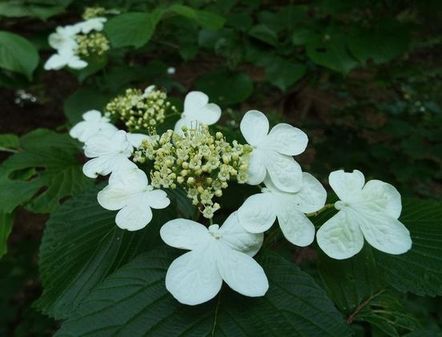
{"x": 302, "y": 36}
{"x": 132, "y": 29}
{"x": 204, "y": 18}
{"x": 380, "y": 44}
{"x": 330, "y": 51}
{"x": 81, "y": 245}
{"x": 9, "y": 141}
{"x": 265, "y": 34}
{"x": 225, "y": 87}
{"x": 84, "y": 99}
{"x": 52, "y": 169}
{"x": 283, "y": 73}
{"x": 17, "y": 54}
{"x": 5, "y": 229}
{"x": 419, "y": 271}
{"x": 425, "y": 332}
{"x": 134, "y": 302}
{"x": 39, "y": 9}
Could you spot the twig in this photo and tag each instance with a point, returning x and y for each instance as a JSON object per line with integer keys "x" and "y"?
{"x": 361, "y": 306}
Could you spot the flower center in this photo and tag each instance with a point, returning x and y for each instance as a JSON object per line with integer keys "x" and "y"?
{"x": 214, "y": 231}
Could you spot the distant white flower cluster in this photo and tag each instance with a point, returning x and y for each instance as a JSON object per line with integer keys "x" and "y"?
{"x": 225, "y": 253}
{"x": 65, "y": 41}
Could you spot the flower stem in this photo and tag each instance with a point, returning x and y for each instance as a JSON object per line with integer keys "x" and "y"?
{"x": 327, "y": 206}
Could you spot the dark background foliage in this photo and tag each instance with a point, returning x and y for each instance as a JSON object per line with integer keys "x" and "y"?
{"x": 361, "y": 78}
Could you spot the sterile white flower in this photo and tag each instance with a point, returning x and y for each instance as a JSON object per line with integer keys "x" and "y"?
{"x": 216, "y": 254}
{"x": 109, "y": 153}
{"x": 89, "y": 25}
{"x": 63, "y": 38}
{"x": 130, "y": 193}
{"x": 198, "y": 110}
{"x": 93, "y": 123}
{"x": 65, "y": 57}
{"x": 369, "y": 210}
{"x": 272, "y": 152}
{"x": 259, "y": 211}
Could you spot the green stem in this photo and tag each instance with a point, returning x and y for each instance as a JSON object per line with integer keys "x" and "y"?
{"x": 327, "y": 206}
{"x": 5, "y": 149}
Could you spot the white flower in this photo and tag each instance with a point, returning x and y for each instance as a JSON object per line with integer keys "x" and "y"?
{"x": 272, "y": 152}
{"x": 198, "y": 110}
{"x": 171, "y": 70}
{"x": 93, "y": 123}
{"x": 130, "y": 193}
{"x": 89, "y": 25}
{"x": 216, "y": 254}
{"x": 110, "y": 153}
{"x": 259, "y": 211}
{"x": 369, "y": 211}
{"x": 65, "y": 57}
{"x": 63, "y": 38}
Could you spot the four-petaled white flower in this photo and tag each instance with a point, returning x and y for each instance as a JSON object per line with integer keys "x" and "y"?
{"x": 259, "y": 211}
{"x": 216, "y": 254}
{"x": 272, "y": 152}
{"x": 109, "y": 153}
{"x": 130, "y": 193}
{"x": 368, "y": 210}
{"x": 65, "y": 57}
{"x": 63, "y": 38}
{"x": 93, "y": 123}
{"x": 89, "y": 25}
{"x": 198, "y": 110}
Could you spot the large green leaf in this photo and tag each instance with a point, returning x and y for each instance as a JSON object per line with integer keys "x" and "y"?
{"x": 32, "y": 8}
{"x": 134, "y": 302}
{"x": 225, "y": 87}
{"x": 46, "y": 170}
{"x": 420, "y": 270}
{"x": 204, "y": 18}
{"x": 83, "y": 100}
{"x": 9, "y": 141}
{"x": 5, "y": 230}
{"x": 81, "y": 246}
{"x": 17, "y": 54}
{"x": 132, "y": 29}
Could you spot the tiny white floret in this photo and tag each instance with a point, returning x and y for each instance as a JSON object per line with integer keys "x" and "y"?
{"x": 198, "y": 110}
{"x": 130, "y": 193}
{"x": 272, "y": 151}
{"x": 216, "y": 254}
{"x": 366, "y": 210}
{"x": 259, "y": 211}
{"x": 93, "y": 123}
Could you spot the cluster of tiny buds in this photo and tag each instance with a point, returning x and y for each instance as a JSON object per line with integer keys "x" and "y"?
{"x": 140, "y": 111}
{"x": 92, "y": 44}
{"x": 93, "y": 12}
{"x": 200, "y": 163}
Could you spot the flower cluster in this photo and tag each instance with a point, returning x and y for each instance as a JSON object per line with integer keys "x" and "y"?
{"x": 192, "y": 158}
{"x": 200, "y": 163}
{"x": 73, "y": 42}
{"x": 140, "y": 110}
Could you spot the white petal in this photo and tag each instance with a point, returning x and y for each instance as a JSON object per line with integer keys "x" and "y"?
{"x": 312, "y": 195}
{"x": 384, "y": 232}
{"x": 236, "y": 237}
{"x": 112, "y": 198}
{"x": 134, "y": 216}
{"x": 340, "y": 237}
{"x": 55, "y": 62}
{"x": 106, "y": 164}
{"x": 157, "y": 199}
{"x": 258, "y": 213}
{"x": 194, "y": 100}
{"x": 242, "y": 273}
{"x": 135, "y": 139}
{"x": 286, "y": 139}
{"x": 347, "y": 185}
{"x": 185, "y": 234}
{"x": 92, "y": 116}
{"x": 180, "y": 123}
{"x": 284, "y": 171}
{"x": 193, "y": 278}
{"x": 256, "y": 172}
{"x": 295, "y": 226}
{"x": 76, "y": 63}
{"x": 382, "y": 197}
{"x": 254, "y": 127}
{"x": 103, "y": 144}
